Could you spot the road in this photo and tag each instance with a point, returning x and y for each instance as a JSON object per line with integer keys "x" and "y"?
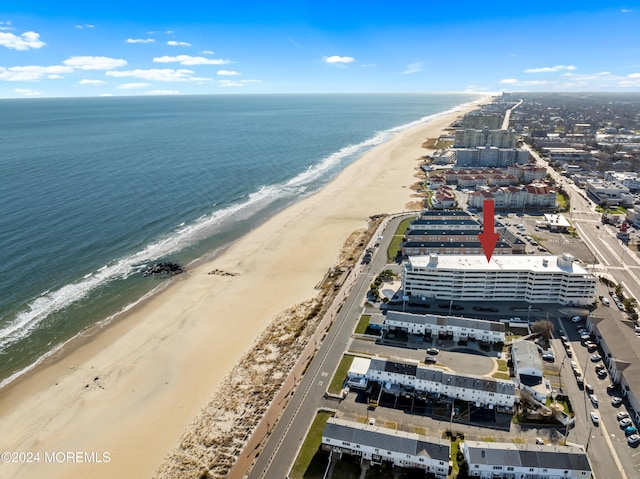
{"x": 280, "y": 451}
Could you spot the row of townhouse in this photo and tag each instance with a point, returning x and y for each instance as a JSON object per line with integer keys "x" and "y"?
{"x": 445, "y": 326}
{"x": 621, "y": 355}
{"x": 530, "y": 278}
{"x": 526, "y": 173}
{"x": 493, "y": 460}
{"x": 396, "y": 374}
{"x": 485, "y": 460}
{"x": 538, "y": 195}
{"x": 378, "y": 444}
{"x": 450, "y": 235}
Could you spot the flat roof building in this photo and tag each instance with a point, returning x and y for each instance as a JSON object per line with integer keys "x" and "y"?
{"x": 531, "y": 278}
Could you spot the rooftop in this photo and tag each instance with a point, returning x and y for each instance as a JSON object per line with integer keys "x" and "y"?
{"x": 387, "y": 439}
{"x": 445, "y": 320}
{"x": 527, "y": 455}
{"x": 451, "y": 244}
{"x": 500, "y": 263}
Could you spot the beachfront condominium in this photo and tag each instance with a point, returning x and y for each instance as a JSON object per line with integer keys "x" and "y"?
{"x": 530, "y": 278}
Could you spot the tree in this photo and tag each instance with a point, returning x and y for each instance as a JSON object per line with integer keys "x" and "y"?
{"x": 544, "y": 328}
{"x": 629, "y": 304}
{"x": 618, "y": 290}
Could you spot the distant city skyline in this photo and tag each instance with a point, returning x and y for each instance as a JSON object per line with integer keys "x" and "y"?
{"x": 71, "y": 48}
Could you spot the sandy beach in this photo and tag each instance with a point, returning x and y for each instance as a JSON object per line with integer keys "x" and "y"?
{"x": 129, "y": 392}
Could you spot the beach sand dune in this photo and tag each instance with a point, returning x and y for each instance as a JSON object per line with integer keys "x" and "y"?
{"x": 128, "y": 393}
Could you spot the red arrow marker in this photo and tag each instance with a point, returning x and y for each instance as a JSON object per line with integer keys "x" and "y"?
{"x": 488, "y": 238}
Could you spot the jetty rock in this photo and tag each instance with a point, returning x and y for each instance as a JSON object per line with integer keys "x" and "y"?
{"x": 165, "y": 268}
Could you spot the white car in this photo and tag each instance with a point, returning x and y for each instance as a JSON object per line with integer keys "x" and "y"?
{"x": 372, "y": 421}
{"x": 626, "y": 422}
{"x": 615, "y": 401}
{"x": 574, "y": 365}
{"x": 622, "y": 415}
{"x": 595, "y": 418}
{"x": 594, "y": 399}
{"x": 576, "y": 319}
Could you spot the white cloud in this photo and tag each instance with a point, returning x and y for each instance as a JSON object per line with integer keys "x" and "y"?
{"x": 238, "y": 83}
{"x": 626, "y": 10}
{"x": 6, "y": 26}
{"x": 228, "y": 73}
{"x": 94, "y": 63}
{"x": 91, "y": 82}
{"x": 140, "y": 40}
{"x": 156, "y": 74}
{"x": 133, "y": 86}
{"x": 513, "y": 81}
{"x": 633, "y": 75}
{"x": 55, "y": 76}
{"x": 413, "y": 68}
{"x": 189, "y": 60}
{"x": 21, "y": 42}
{"x": 173, "y": 43}
{"x": 207, "y": 52}
{"x": 339, "y": 59}
{"x": 556, "y": 68}
{"x": 163, "y": 92}
{"x": 31, "y": 72}
{"x": 106, "y": 94}
{"x": 85, "y": 25}
{"x": 369, "y": 65}
{"x": 27, "y": 92}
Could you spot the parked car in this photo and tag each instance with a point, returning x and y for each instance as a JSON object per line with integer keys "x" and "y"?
{"x": 574, "y": 365}
{"x": 576, "y": 319}
{"x": 589, "y": 388}
{"x": 549, "y": 357}
{"x": 372, "y": 421}
{"x": 433, "y": 351}
{"x": 622, "y": 415}
{"x": 539, "y": 440}
{"x": 602, "y": 373}
{"x": 616, "y": 401}
{"x": 612, "y": 387}
{"x": 569, "y": 352}
{"x": 430, "y": 359}
{"x": 595, "y": 358}
{"x": 633, "y": 440}
{"x": 595, "y": 418}
{"x": 594, "y": 399}
{"x": 631, "y": 430}
{"x": 591, "y": 347}
{"x": 625, "y": 422}
{"x": 564, "y": 339}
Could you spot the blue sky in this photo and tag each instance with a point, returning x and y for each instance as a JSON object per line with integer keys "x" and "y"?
{"x": 72, "y": 48}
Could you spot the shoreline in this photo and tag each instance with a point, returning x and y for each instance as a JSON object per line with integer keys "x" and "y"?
{"x": 133, "y": 388}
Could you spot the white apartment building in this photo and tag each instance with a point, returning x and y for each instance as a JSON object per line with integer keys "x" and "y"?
{"x": 531, "y": 278}
{"x": 609, "y": 192}
{"x": 493, "y": 460}
{"x": 395, "y": 374}
{"x": 445, "y": 326}
{"x": 625, "y": 178}
{"x": 534, "y": 195}
{"x": 379, "y": 444}
{"x": 490, "y": 156}
{"x": 499, "y": 138}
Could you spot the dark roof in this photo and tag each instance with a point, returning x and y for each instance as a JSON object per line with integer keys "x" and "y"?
{"x": 436, "y": 214}
{"x": 441, "y": 231}
{"x": 451, "y": 244}
{"x": 527, "y": 455}
{"x": 387, "y": 439}
{"x": 444, "y": 222}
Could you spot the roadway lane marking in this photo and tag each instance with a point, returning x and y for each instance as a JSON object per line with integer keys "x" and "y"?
{"x": 594, "y": 249}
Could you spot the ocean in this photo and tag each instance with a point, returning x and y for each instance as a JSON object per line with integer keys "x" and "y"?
{"x": 94, "y": 189}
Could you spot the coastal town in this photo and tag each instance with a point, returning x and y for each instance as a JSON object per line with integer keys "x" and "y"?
{"x": 446, "y": 362}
